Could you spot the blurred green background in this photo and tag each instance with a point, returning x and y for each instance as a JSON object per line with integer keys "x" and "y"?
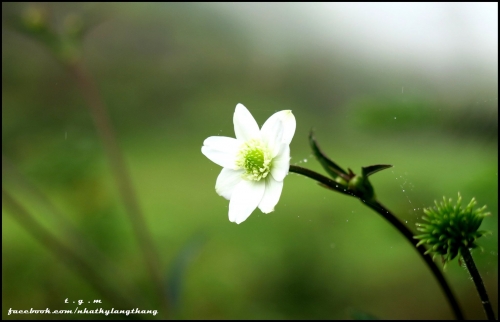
{"x": 171, "y": 75}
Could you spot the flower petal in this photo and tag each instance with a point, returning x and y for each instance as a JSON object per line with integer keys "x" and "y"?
{"x": 221, "y": 150}
{"x": 245, "y": 198}
{"x": 289, "y": 124}
{"x": 281, "y": 163}
{"x": 227, "y": 181}
{"x": 245, "y": 126}
{"x": 272, "y": 134}
{"x": 222, "y": 143}
{"x": 271, "y": 195}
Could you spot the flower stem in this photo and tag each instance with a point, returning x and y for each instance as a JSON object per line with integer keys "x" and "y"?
{"x": 384, "y": 212}
{"x": 478, "y": 281}
{"x": 378, "y": 207}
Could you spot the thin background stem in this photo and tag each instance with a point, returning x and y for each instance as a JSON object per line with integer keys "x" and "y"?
{"x": 78, "y": 241}
{"x": 478, "y": 281}
{"x": 103, "y": 124}
{"x": 384, "y": 212}
{"x": 68, "y": 51}
{"x": 70, "y": 258}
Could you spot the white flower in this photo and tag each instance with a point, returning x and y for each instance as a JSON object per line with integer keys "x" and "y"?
{"x": 254, "y": 164}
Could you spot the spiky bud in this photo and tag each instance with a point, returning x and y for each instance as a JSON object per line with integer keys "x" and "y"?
{"x": 449, "y": 227}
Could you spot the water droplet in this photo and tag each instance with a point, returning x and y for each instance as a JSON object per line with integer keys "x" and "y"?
{"x": 394, "y": 117}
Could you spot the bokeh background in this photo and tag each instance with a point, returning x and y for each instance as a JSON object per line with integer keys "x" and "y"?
{"x": 412, "y": 85}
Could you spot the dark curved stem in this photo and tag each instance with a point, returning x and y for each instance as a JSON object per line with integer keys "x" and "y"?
{"x": 384, "y": 212}
{"x": 322, "y": 180}
{"x": 378, "y": 207}
{"x": 478, "y": 281}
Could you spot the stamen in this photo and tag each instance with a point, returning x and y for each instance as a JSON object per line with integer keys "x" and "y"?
{"x": 255, "y": 158}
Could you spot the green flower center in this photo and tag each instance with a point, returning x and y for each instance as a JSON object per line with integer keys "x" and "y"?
{"x": 255, "y": 158}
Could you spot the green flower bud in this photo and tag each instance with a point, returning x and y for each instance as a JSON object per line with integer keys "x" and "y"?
{"x": 362, "y": 187}
{"x": 449, "y": 228}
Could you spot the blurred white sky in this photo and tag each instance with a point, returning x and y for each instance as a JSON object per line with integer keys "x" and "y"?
{"x": 433, "y": 36}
